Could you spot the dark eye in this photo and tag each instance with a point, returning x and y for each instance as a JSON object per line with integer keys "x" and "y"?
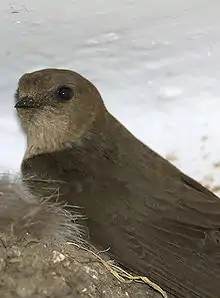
{"x": 65, "y": 93}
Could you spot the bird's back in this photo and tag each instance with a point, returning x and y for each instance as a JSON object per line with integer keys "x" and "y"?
{"x": 157, "y": 221}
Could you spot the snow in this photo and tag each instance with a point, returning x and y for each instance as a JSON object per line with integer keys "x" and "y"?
{"x": 156, "y": 64}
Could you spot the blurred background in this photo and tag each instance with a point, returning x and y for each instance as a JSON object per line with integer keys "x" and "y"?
{"x": 156, "y": 64}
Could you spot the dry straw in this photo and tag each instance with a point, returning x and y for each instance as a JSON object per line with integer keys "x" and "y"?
{"x": 121, "y": 274}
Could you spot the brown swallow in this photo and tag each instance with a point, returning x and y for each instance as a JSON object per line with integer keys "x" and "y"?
{"x": 156, "y": 220}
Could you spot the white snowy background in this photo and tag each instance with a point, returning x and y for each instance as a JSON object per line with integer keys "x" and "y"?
{"x": 156, "y": 63}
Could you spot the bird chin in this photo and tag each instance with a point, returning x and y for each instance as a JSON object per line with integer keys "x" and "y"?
{"x": 25, "y": 117}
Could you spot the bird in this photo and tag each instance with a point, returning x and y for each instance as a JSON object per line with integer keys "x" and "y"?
{"x": 156, "y": 221}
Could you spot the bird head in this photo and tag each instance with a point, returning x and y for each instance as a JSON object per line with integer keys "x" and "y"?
{"x": 56, "y": 107}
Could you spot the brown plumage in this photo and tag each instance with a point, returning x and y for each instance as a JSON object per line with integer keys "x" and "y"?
{"x": 156, "y": 220}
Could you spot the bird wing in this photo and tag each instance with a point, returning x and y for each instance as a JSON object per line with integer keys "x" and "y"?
{"x": 176, "y": 241}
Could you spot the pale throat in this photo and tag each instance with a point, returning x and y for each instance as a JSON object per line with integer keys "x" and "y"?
{"x": 46, "y": 133}
{"x": 46, "y": 137}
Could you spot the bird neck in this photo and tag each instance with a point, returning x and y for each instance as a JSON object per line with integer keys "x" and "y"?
{"x": 107, "y": 144}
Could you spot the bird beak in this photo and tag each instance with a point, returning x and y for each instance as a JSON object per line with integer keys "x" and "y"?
{"x": 26, "y": 103}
